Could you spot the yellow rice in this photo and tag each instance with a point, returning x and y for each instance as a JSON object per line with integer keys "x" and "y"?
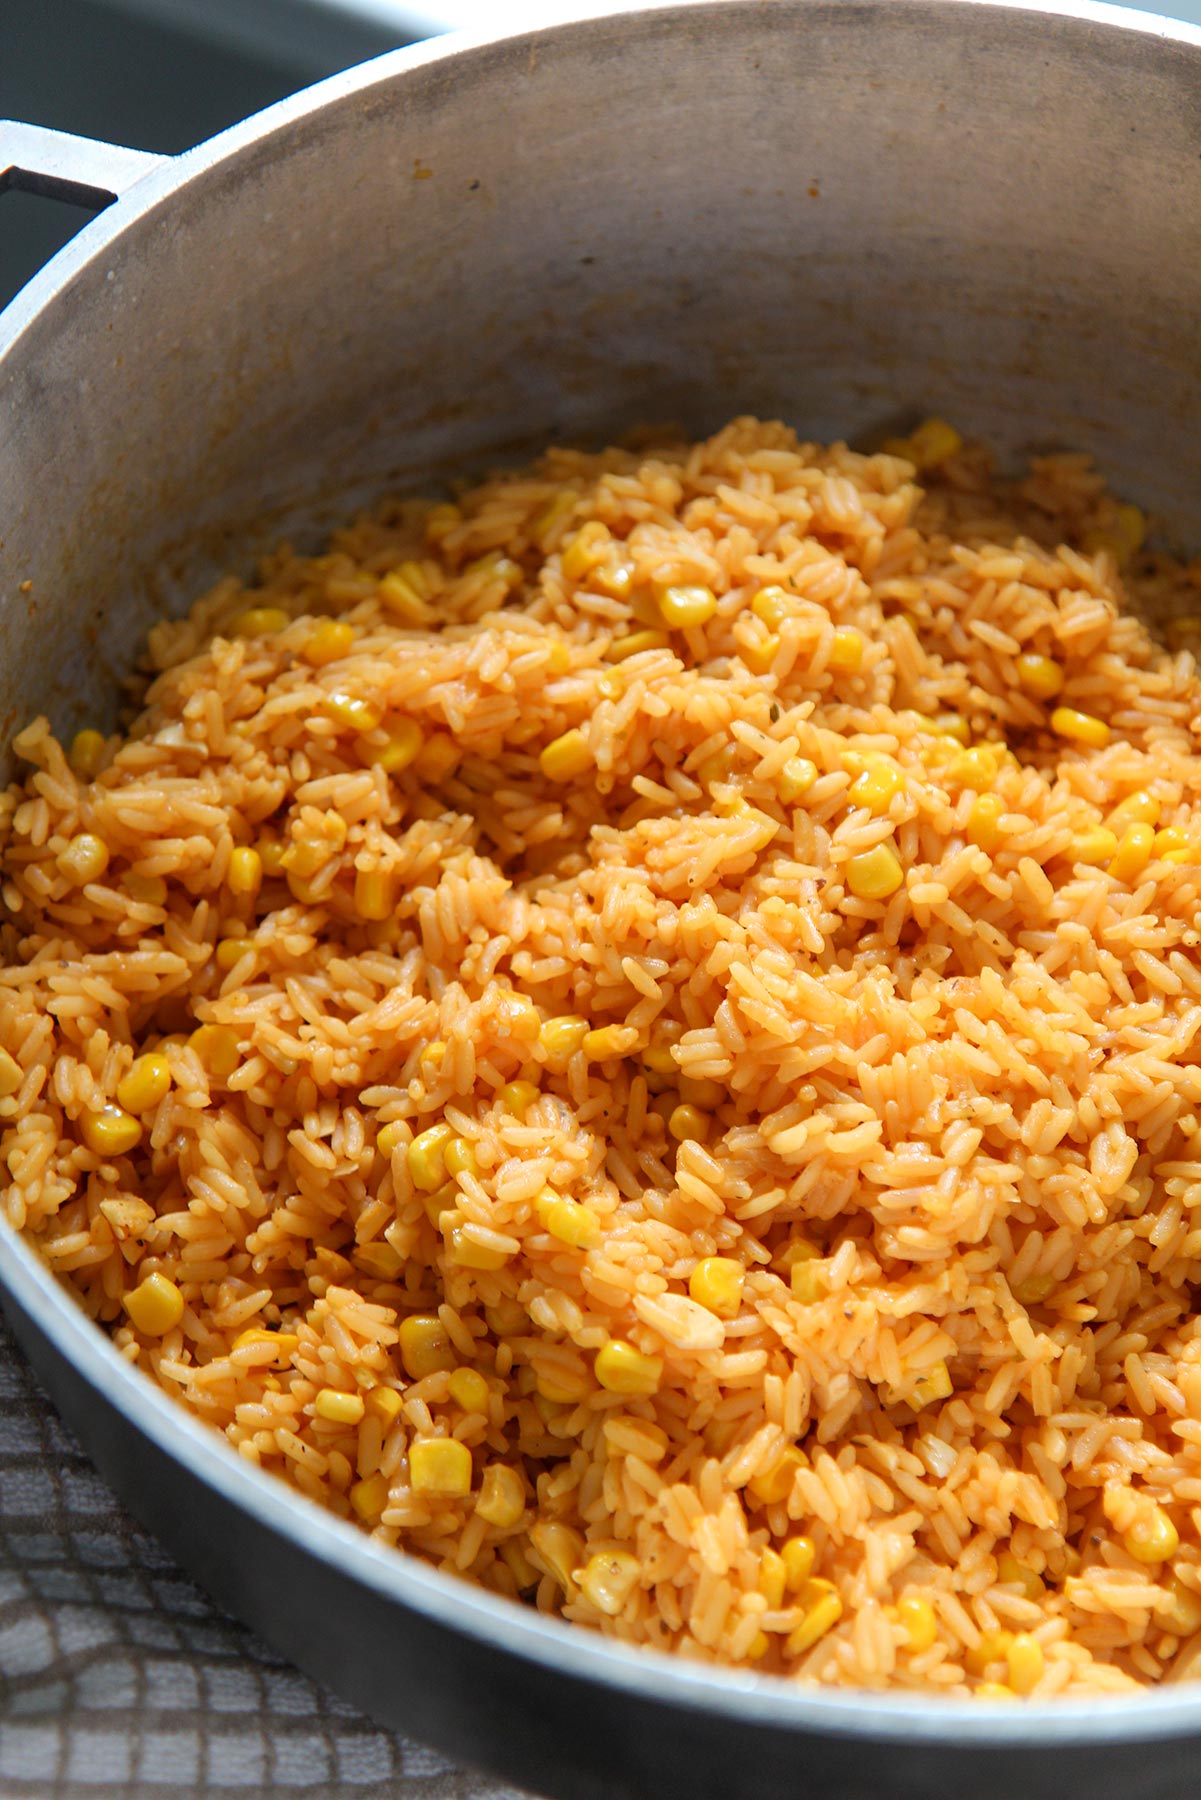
{"x": 943, "y": 1431}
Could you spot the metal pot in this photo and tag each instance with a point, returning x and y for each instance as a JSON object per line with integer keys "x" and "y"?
{"x": 833, "y": 212}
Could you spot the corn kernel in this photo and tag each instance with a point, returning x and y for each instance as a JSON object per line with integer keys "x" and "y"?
{"x": 281, "y": 1343}
{"x": 149, "y": 890}
{"x": 1133, "y": 853}
{"x": 440, "y": 521}
{"x": 932, "y": 1384}
{"x": 933, "y": 443}
{"x": 846, "y": 650}
{"x": 1093, "y": 846}
{"x": 470, "y": 1254}
{"x": 374, "y": 894}
{"x": 1138, "y": 808}
{"x": 560, "y": 1549}
{"x": 566, "y": 756}
{"x": 1172, "y": 845}
{"x": 716, "y": 1283}
{"x": 1012, "y": 1573}
{"x": 607, "y": 1041}
{"x": 984, "y": 821}
{"x": 952, "y": 725}
{"x": 608, "y": 1579}
{"x": 807, "y": 1281}
{"x": 796, "y": 1250}
{"x": 775, "y": 1484}
{"x": 245, "y": 873}
{"x": 773, "y": 605}
{"x": 877, "y": 786}
{"x": 272, "y": 851}
{"x": 1152, "y": 1538}
{"x": 820, "y": 1618}
{"x": 993, "y": 1690}
{"x": 259, "y": 621}
{"x": 517, "y": 1097}
{"x": 11, "y": 1075}
{"x": 386, "y": 1405}
{"x": 1039, "y": 676}
{"x": 1026, "y": 1663}
{"x": 795, "y": 778}
{"x": 684, "y": 608}
{"x": 975, "y": 768}
{"x": 623, "y": 1370}
{"x": 634, "y": 643}
{"x": 469, "y": 1390}
{"x": 109, "y": 1132}
{"x": 615, "y": 577}
{"x": 759, "y": 1646}
{"x": 425, "y": 1347}
{"x": 379, "y": 1259}
{"x": 501, "y": 1499}
{"x": 443, "y": 1199}
{"x": 369, "y": 1497}
{"x": 582, "y": 553}
{"x": 338, "y": 1408}
{"x": 561, "y": 1037}
{"x": 87, "y": 753}
{"x": 356, "y": 711}
{"x": 772, "y": 1578}
{"x": 1080, "y": 728}
{"x": 437, "y": 757}
{"x": 1184, "y": 1617}
{"x": 217, "y": 1048}
{"x": 993, "y": 1647}
{"x": 389, "y": 1137}
{"x": 440, "y": 1466}
{"x": 800, "y": 1555}
{"x": 155, "y": 1306}
{"x": 920, "y": 1625}
{"x": 687, "y": 1125}
{"x": 402, "y": 747}
{"x": 329, "y": 641}
{"x": 399, "y": 597}
{"x": 875, "y": 874}
{"x": 426, "y": 1156}
{"x": 760, "y": 657}
{"x": 567, "y": 1220}
{"x": 147, "y": 1083}
{"x": 84, "y": 859}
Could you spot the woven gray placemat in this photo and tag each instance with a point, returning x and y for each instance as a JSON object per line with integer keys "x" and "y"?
{"x": 119, "y": 1677}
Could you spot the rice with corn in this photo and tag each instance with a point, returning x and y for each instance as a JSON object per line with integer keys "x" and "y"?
{"x": 638, "y": 1036}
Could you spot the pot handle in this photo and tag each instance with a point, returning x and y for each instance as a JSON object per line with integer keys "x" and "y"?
{"x": 62, "y": 167}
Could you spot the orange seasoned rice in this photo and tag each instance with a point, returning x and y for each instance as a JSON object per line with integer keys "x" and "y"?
{"x": 666, "y": 1000}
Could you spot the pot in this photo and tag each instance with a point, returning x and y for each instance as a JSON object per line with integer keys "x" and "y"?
{"x": 840, "y": 212}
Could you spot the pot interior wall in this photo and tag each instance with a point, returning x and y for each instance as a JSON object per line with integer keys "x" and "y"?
{"x": 840, "y": 214}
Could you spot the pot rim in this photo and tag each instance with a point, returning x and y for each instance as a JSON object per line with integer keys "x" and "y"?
{"x": 769, "y": 1701}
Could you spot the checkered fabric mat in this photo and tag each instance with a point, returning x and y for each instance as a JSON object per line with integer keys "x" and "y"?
{"x": 118, "y": 1677}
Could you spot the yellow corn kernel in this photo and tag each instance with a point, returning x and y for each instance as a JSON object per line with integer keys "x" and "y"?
{"x": 369, "y": 1497}
{"x": 799, "y": 1554}
{"x": 272, "y": 851}
{"x": 590, "y": 546}
{"x": 1172, "y": 845}
{"x": 1152, "y": 1538}
{"x": 683, "y": 608}
{"x": 993, "y": 1647}
{"x": 984, "y": 821}
{"x": 933, "y": 443}
{"x": 109, "y": 1132}
{"x": 502, "y": 1496}
{"x": 615, "y": 577}
{"x": 561, "y": 1037}
{"x": 443, "y": 1199}
{"x": 155, "y": 1306}
{"x": 846, "y": 651}
{"x": 795, "y": 778}
{"x": 460, "y": 1158}
{"x": 566, "y": 756}
{"x": 389, "y": 1137}
{"x": 84, "y": 859}
{"x": 11, "y": 1075}
{"x": 920, "y": 1625}
{"x": 399, "y": 597}
{"x": 1133, "y": 853}
{"x": 975, "y": 768}
{"x": 558, "y": 657}
{"x": 775, "y": 1484}
{"x": 608, "y": 1579}
{"x": 217, "y": 1048}
{"x": 437, "y": 757}
{"x": 441, "y": 521}
{"x": 606, "y": 1042}
{"x": 993, "y": 1690}
{"x": 281, "y": 1343}
{"x": 716, "y": 1283}
{"x": 623, "y": 1370}
{"x": 1184, "y": 1618}
{"x": 259, "y": 621}
{"x": 329, "y": 641}
{"x": 386, "y": 1405}
{"x": 772, "y": 1578}
{"x": 425, "y": 1347}
{"x": 824, "y": 1613}
{"x": 797, "y": 1250}
{"x": 561, "y": 1551}
{"x": 634, "y": 643}
{"x": 440, "y": 1466}
{"x": 932, "y": 1384}
{"x": 807, "y": 1281}
{"x": 149, "y": 890}
{"x": 374, "y": 893}
{"x": 760, "y": 657}
{"x": 517, "y": 1097}
{"x": 952, "y": 725}
{"x": 147, "y": 1083}
{"x": 1080, "y": 728}
{"x": 245, "y": 873}
{"x": 1012, "y": 1573}
{"x": 338, "y": 1408}
{"x": 1122, "y": 538}
{"x": 87, "y": 753}
{"x": 402, "y": 748}
{"x": 356, "y": 711}
{"x": 379, "y": 1259}
{"x": 1039, "y": 676}
{"x": 470, "y": 1254}
{"x": 1138, "y": 808}
{"x": 426, "y": 1156}
{"x": 773, "y": 605}
{"x": 1094, "y": 846}
{"x": 1026, "y": 1663}
{"x": 469, "y": 1390}
{"x": 877, "y": 786}
{"x": 687, "y": 1125}
{"x": 567, "y": 1220}
{"x": 875, "y": 874}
